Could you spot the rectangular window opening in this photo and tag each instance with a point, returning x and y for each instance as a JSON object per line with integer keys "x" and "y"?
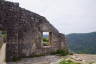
{"x": 46, "y": 39}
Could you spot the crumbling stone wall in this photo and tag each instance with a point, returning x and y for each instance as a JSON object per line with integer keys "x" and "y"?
{"x": 24, "y": 32}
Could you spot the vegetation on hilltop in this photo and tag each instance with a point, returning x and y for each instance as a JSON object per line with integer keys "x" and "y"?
{"x": 82, "y": 42}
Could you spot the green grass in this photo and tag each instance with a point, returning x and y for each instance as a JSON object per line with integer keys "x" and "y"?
{"x": 16, "y": 59}
{"x": 46, "y": 42}
{"x": 60, "y": 52}
{"x": 1, "y": 44}
{"x": 68, "y": 62}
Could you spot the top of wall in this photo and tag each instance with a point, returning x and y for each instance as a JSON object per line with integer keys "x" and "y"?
{"x": 13, "y": 16}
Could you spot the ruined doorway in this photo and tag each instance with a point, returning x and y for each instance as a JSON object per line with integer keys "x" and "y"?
{"x": 3, "y": 37}
{"x": 46, "y": 39}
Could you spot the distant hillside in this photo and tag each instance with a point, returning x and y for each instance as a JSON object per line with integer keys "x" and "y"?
{"x": 82, "y": 42}
{"x": 45, "y": 36}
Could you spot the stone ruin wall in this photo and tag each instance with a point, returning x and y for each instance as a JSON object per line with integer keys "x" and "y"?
{"x": 24, "y": 32}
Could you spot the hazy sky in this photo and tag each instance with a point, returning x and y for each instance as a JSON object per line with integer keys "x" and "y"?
{"x": 68, "y": 16}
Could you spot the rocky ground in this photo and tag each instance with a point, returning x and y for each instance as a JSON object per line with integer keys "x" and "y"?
{"x": 52, "y": 59}
{"x": 38, "y": 60}
{"x": 83, "y": 58}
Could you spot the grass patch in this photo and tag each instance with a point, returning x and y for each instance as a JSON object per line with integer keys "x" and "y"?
{"x": 16, "y": 59}
{"x": 0, "y": 45}
{"x": 60, "y": 52}
{"x": 68, "y": 62}
{"x": 46, "y": 41}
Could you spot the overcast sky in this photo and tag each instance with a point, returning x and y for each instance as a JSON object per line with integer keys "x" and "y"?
{"x": 68, "y": 16}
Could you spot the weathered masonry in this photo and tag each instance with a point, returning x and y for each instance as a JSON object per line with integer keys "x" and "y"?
{"x": 25, "y": 32}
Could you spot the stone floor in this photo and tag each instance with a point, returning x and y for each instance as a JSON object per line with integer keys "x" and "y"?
{"x": 53, "y": 59}
{"x": 38, "y": 60}
{"x": 2, "y": 54}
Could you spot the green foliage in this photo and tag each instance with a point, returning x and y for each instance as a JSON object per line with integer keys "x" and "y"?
{"x": 71, "y": 53}
{"x": 61, "y": 52}
{"x": 1, "y": 45}
{"x": 84, "y": 43}
{"x": 68, "y": 62}
{"x": 3, "y": 34}
{"x": 45, "y": 40}
{"x": 16, "y": 59}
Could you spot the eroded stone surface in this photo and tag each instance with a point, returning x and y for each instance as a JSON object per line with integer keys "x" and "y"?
{"x": 24, "y": 32}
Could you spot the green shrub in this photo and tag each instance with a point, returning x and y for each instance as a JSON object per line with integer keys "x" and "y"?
{"x": 68, "y": 62}
{"x": 1, "y": 44}
{"x": 61, "y": 52}
{"x": 45, "y": 40}
{"x": 16, "y": 59}
{"x": 71, "y": 53}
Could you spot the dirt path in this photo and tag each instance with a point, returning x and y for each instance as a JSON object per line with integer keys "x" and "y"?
{"x": 2, "y": 54}
{"x": 38, "y": 60}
